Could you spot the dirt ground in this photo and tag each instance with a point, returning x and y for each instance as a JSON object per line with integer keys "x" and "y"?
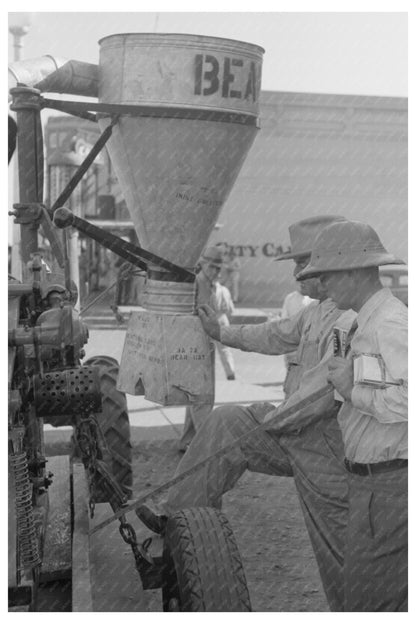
{"x": 267, "y": 520}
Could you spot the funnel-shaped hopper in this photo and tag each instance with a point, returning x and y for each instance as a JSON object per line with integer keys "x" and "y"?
{"x": 188, "y": 110}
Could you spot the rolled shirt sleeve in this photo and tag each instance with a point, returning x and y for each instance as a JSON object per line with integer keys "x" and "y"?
{"x": 271, "y": 338}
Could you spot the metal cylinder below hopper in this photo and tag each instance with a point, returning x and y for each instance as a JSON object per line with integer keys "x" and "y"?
{"x": 169, "y": 297}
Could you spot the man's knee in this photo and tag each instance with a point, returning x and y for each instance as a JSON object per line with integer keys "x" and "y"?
{"x": 230, "y": 417}
{"x": 226, "y": 422}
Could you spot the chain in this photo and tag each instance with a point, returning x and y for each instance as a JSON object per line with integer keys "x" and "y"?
{"x": 86, "y": 434}
{"x": 140, "y": 553}
{"x": 282, "y": 417}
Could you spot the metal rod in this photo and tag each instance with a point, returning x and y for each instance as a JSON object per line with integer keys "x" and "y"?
{"x": 62, "y": 106}
{"x": 132, "y": 253}
{"x": 74, "y": 181}
{"x": 87, "y": 307}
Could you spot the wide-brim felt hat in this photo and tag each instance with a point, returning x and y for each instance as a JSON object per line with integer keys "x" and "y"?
{"x": 213, "y": 255}
{"x": 303, "y": 234}
{"x": 346, "y": 245}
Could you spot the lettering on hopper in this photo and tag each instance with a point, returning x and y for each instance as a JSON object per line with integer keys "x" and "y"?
{"x": 212, "y": 76}
{"x": 191, "y": 353}
{"x": 204, "y": 201}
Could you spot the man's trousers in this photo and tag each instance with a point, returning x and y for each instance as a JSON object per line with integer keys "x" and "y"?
{"x": 376, "y": 549}
{"x": 314, "y": 458}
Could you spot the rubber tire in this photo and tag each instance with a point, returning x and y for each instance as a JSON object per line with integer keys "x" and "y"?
{"x": 202, "y": 570}
{"x": 114, "y": 422}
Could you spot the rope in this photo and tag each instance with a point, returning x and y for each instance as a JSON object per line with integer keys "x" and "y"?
{"x": 87, "y": 307}
{"x": 314, "y": 396}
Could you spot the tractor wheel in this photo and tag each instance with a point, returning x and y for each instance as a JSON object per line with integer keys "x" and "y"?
{"x": 114, "y": 422}
{"x": 203, "y": 570}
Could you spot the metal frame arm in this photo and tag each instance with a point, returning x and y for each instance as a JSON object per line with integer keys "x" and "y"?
{"x": 136, "y": 255}
{"x": 82, "y": 169}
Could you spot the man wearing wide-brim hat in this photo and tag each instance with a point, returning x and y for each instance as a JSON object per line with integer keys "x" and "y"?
{"x": 373, "y": 418}
{"x": 307, "y": 446}
{"x": 301, "y": 237}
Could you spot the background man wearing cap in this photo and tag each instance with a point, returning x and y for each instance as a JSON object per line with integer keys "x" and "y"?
{"x": 373, "y": 418}
{"x": 315, "y": 455}
{"x": 217, "y": 296}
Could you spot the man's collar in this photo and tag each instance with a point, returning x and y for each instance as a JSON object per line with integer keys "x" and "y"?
{"x": 372, "y": 304}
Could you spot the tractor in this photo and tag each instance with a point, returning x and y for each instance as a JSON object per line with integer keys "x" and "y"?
{"x": 178, "y": 114}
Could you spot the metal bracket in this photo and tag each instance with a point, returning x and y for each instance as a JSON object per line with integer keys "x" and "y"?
{"x": 27, "y": 213}
{"x": 151, "y": 574}
{"x": 37, "y": 214}
{"x": 53, "y": 238}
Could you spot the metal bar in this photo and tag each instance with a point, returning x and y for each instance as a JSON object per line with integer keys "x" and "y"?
{"x": 201, "y": 114}
{"x": 61, "y": 106}
{"x": 106, "y": 239}
{"x": 314, "y": 396}
{"x": 30, "y": 163}
{"x": 52, "y": 235}
{"x": 74, "y": 181}
{"x": 104, "y": 292}
{"x": 16, "y": 290}
{"x": 136, "y": 255}
{"x": 82, "y": 115}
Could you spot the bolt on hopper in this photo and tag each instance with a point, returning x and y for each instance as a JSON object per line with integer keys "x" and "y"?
{"x": 188, "y": 114}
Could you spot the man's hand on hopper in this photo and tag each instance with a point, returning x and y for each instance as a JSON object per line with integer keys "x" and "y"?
{"x": 209, "y": 321}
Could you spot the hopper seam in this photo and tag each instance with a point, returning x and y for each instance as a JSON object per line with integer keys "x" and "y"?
{"x": 186, "y": 106}
{"x": 165, "y": 358}
{"x": 132, "y": 177}
{"x": 123, "y": 62}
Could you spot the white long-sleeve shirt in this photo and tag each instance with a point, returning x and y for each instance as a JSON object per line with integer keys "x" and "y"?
{"x": 216, "y": 295}
{"x": 294, "y": 302}
{"x": 374, "y": 423}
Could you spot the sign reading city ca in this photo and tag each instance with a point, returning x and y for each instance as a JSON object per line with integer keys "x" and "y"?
{"x": 269, "y": 250}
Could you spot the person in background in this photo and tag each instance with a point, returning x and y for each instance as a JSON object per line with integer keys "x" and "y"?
{"x": 232, "y": 268}
{"x": 217, "y": 296}
{"x": 373, "y": 417}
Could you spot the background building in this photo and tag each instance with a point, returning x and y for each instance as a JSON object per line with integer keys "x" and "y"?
{"x": 314, "y": 154}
